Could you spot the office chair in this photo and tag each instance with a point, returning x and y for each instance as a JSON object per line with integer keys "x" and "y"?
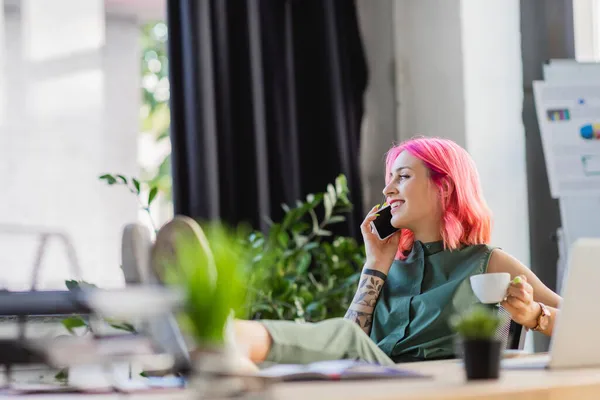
{"x": 509, "y": 332}
{"x": 136, "y": 258}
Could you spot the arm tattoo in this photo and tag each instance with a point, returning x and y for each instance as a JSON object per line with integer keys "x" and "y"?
{"x": 365, "y": 299}
{"x": 363, "y": 319}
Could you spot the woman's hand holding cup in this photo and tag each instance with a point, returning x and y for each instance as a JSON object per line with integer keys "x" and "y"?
{"x": 520, "y": 304}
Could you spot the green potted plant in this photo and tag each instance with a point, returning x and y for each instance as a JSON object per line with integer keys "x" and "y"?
{"x": 482, "y": 351}
{"x": 209, "y": 266}
{"x": 305, "y": 272}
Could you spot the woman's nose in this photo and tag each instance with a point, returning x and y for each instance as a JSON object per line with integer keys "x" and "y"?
{"x": 389, "y": 189}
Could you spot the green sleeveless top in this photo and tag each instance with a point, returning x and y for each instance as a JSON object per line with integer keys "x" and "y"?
{"x": 410, "y": 321}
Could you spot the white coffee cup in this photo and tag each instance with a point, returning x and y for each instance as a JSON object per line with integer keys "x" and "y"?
{"x": 490, "y": 288}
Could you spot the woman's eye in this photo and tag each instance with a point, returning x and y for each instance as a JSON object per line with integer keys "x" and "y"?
{"x": 404, "y": 176}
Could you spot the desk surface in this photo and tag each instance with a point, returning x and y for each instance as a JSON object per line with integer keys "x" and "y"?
{"x": 449, "y": 383}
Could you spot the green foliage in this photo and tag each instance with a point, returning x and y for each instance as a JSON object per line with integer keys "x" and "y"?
{"x": 76, "y": 321}
{"x": 122, "y": 326}
{"x": 62, "y": 375}
{"x": 155, "y": 114}
{"x": 135, "y": 187}
{"x": 298, "y": 272}
{"x": 479, "y": 323}
{"x": 213, "y": 280}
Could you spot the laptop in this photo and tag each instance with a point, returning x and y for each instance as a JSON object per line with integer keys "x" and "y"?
{"x": 574, "y": 342}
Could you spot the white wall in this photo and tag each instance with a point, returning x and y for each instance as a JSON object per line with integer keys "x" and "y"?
{"x": 494, "y": 131}
{"x": 72, "y": 113}
{"x": 429, "y": 69}
{"x": 459, "y": 76}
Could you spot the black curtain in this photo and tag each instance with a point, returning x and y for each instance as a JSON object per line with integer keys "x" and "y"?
{"x": 266, "y": 105}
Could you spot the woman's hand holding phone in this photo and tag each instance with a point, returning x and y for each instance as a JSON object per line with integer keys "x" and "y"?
{"x": 380, "y": 253}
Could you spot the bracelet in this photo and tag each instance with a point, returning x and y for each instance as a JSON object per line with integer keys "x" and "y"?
{"x": 376, "y": 273}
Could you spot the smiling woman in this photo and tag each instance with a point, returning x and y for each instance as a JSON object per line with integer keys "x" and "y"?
{"x": 416, "y": 279}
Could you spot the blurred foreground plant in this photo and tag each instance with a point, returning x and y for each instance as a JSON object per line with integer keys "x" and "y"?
{"x": 477, "y": 323}
{"x": 213, "y": 277}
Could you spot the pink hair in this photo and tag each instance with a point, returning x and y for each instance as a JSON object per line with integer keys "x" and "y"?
{"x": 466, "y": 218}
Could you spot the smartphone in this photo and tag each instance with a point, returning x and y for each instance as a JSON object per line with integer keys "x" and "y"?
{"x": 382, "y": 225}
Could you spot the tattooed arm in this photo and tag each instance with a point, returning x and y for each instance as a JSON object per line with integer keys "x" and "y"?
{"x": 365, "y": 299}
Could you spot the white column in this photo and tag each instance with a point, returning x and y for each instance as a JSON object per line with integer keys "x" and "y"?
{"x": 495, "y": 135}
{"x": 459, "y": 76}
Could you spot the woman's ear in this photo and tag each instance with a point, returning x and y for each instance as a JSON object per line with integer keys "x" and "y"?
{"x": 446, "y": 188}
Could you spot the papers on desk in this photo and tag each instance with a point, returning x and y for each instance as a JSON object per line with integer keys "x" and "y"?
{"x": 335, "y": 371}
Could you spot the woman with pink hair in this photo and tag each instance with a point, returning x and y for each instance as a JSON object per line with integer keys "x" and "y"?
{"x": 414, "y": 280}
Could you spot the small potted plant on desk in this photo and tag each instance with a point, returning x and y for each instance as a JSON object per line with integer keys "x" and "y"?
{"x": 481, "y": 350}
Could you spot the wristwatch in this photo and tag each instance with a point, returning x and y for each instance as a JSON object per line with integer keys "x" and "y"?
{"x": 544, "y": 319}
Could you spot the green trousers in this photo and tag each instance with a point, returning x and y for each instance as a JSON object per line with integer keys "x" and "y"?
{"x": 333, "y": 339}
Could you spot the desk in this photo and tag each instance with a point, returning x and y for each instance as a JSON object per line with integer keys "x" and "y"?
{"x": 448, "y": 384}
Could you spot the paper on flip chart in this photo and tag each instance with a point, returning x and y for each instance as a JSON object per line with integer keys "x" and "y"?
{"x": 569, "y": 121}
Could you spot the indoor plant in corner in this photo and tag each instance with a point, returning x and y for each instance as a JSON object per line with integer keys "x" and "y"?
{"x": 482, "y": 350}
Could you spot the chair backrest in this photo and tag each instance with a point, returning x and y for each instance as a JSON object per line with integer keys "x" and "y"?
{"x": 136, "y": 246}
{"x": 509, "y": 332}
{"x": 136, "y": 258}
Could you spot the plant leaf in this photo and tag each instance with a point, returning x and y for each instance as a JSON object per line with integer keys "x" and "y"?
{"x": 108, "y": 178}
{"x": 152, "y": 195}
{"x": 123, "y": 326}
{"x": 72, "y": 284}
{"x": 122, "y": 178}
{"x": 300, "y": 240}
{"x": 341, "y": 185}
{"x": 62, "y": 375}
{"x": 332, "y": 193}
{"x": 303, "y": 263}
{"x": 315, "y": 221}
{"x": 328, "y": 203}
{"x": 284, "y": 239}
{"x": 136, "y": 184}
{"x": 73, "y": 322}
{"x": 336, "y": 218}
